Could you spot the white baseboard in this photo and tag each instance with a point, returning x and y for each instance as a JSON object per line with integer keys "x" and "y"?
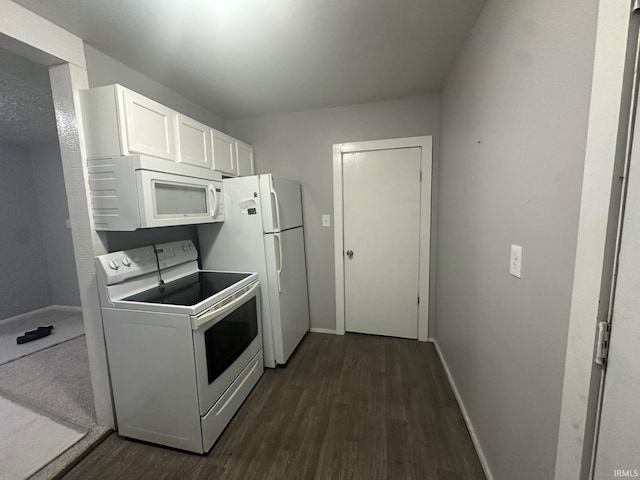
{"x": 67, "y": 308}
{"x": 27, "y": 314}
{"x": 322, "y": 330}
{"x": 467, "y": 420}
{"x": 49, "y": 308}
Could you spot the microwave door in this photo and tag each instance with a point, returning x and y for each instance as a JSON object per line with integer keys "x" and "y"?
{"x": 167, "y": 199}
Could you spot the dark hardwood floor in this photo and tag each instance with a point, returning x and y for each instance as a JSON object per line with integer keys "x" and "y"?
{"x": 345, "y": 407}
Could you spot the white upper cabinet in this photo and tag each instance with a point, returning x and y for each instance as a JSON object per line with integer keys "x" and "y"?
{"x": 151, "y": 127}
{"x": 224, "y": 153}
{"x": 118, "y": 121}
{"x": 194, "y": 143}
{"x": 244, "y": 155}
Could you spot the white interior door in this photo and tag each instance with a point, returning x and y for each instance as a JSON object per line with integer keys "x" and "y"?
{"x": 381, "y": 216}
{"x": 619, "y": 434}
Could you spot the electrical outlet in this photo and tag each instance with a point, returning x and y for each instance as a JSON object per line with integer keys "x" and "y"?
{"x": 515, "y": 263}
{"x": 326, "y": 220}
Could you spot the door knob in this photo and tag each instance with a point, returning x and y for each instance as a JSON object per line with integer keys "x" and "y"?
{"x": 350, "y": 253}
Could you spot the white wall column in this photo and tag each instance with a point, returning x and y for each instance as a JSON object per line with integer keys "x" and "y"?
{"x": 66, "y": 82}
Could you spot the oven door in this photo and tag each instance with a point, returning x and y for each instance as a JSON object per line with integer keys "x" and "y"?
{"x": 166, "y": 199}
{"x": 226, "y": 337}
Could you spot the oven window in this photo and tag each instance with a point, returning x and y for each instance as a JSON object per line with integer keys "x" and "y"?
{"x": 176, "y": 199}
{"x": 227, "y": 339}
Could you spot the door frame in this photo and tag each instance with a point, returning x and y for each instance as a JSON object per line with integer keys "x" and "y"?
{"x": 606, "y": 152}
{"x": 426, "y": 163}
{"x": 31, "y": 36}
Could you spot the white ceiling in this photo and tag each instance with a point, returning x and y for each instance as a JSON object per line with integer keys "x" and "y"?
{"x": 26, "y": 104}
{"x": 242, "y": 58}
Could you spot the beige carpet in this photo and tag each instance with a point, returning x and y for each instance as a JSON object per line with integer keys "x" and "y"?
{"x": 67, "y": 324}
{"x": 30, "y": 440}
{"x": 56, "y": 380}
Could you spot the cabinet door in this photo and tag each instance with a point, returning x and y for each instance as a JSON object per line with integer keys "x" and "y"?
{"x": 150, "y": 127}
{"x": 224, "y": 155}
{"x": 244, "y": 154}
{"x": 194, "y": 142}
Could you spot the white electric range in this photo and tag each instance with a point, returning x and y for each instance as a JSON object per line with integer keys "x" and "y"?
{"x": 184, "y": 345}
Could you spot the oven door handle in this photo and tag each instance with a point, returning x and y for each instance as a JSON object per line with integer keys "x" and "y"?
{"x": 214, "y": 312}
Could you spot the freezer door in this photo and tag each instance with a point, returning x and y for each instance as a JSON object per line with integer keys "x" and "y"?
{"x": 287, "y": 284}
{"x": 281, "y": 203}
{"x": 237, "y": 244}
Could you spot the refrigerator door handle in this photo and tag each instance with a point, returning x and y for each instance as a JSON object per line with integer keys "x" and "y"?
{"x": 279, "y": 257}
{"x": 277, "y": 209}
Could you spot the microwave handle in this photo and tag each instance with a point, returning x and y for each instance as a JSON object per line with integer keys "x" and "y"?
{"x": 275, "y": 199}
{"x": 199, "y": 320}
{"x": 214, "y": 201}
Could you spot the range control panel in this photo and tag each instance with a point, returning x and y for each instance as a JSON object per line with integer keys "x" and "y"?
{"x": 125, "y": 264}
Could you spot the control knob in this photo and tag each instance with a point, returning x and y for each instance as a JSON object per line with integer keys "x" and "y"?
{"x": 126, "y": 262}
{"x": 113, "y": 264}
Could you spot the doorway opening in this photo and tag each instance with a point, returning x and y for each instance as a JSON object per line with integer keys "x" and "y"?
{"x": 44, "y": 379}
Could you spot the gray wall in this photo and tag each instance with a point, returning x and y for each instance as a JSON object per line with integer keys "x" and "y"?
{"x": 51, "y": 198}
{"x": 147, "y": 236}
{"x": 24, "y": 282}
{"x": 514, "y": 120}
{"x": 104, "y": 70}
{"x": 299, "y": 146}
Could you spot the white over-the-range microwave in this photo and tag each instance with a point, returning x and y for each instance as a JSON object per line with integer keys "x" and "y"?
{"x": 129, "y": 192}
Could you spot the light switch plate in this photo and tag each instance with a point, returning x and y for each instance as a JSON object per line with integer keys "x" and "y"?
{"x": 326, "y": 220}
{"x": 515, "y": 262}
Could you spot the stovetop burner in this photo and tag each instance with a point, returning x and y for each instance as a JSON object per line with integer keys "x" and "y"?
{"x": 190, "y": 289}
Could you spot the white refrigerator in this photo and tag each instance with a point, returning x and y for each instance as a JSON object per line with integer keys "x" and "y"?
{"x": 263, "y": 232}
